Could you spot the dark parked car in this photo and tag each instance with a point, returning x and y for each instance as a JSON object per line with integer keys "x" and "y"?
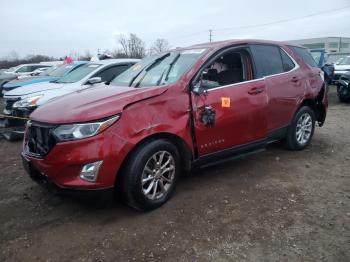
{"x": 320, "y": 57}
{"x": 343, "y": 87}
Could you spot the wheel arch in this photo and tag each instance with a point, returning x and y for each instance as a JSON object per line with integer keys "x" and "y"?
{"x": 185, "y": 152}
{"x": 316, "y": 105}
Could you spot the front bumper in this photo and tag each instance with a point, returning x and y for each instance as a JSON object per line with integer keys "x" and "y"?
{"x": 16, "y": 117}
{"x": 48, "y": 184}
{"x": 337, "y": 75}
{"x": 62, "y": 165}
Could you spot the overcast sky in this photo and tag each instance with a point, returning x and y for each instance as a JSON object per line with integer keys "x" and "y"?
{"x": 56, "y": 28}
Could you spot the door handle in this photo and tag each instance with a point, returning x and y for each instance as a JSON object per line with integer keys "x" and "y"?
{"x": 256, "y": 90}
{"x": 295, "y": 79}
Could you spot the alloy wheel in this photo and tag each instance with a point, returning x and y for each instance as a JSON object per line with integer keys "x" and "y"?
{"x": 158, "y": 175}
{"x": 304, "y": 128}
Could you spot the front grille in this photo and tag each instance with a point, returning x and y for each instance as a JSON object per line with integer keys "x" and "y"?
{"x": 345, "y": 78}
{"x": 9, "y": 102}
{"x": 336, "y": 77}
{"x": 39, "y": 139}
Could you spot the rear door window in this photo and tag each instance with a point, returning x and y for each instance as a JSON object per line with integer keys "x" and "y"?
{"x": 305, "y": 55}
{"x": 268, "y": 60}
{"x": 288, "y": 64}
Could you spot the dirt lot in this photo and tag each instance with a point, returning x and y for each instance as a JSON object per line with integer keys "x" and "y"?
{"x": 273, "y": 206}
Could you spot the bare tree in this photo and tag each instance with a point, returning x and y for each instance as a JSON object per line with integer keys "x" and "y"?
{"x": 159, "y": 46}
{"x": 132, "y": 46}
{"x": 118, "y": 53}
{"x": 13, "y": 60}
{"x": 12, "y": 56}
{"x": 86, "y": 57}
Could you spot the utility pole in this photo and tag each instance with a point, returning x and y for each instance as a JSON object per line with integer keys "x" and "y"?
{"x": 210, "y": 35}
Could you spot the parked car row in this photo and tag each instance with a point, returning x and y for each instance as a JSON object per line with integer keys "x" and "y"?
{"x": 135, "y": 126}
{"x": 20, "y": 71}
{"x": 341, "y": 67}
{"x": 337, "y": 73}
{"x": 342, "y": 78}
{"x": 52, "y": 74}
{"x": 22, "y": 97}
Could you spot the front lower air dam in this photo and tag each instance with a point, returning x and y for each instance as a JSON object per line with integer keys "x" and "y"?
{"x": 89, "y": 172}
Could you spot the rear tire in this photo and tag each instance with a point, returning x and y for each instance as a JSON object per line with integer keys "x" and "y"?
{"x": 301, "y": 130}
{"x": 150, "y": 175}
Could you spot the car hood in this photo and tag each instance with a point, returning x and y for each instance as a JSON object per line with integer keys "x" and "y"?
{"x": 4, "y": 76}
{"x": 29, "y": 80}
{"x": 34, "y": 88}
{"x": 92, "y": 104}
{"x": 341, "y": 67}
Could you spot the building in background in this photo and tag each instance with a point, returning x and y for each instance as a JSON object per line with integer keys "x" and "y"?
{"x": 335, "y": 47}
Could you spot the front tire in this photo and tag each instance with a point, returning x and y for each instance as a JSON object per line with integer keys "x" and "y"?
{"x": 150, "y": 175}
{"x": 301, "y": 130}
{"x": 343, "y": 95}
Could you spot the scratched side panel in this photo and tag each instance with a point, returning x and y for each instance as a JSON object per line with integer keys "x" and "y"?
{"x": 166, "y": 113}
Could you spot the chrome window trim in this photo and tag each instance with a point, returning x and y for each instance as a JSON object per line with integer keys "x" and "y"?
{"x": 296, "y": 67}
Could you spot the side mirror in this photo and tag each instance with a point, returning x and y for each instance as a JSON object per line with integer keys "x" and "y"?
{"x": 94, "y": 80}
{"x": 198, "y": 89}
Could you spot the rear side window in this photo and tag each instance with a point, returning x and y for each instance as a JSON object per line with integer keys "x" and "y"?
{"x": 267, "y": 60}
{"x": 305, "y": 55}
{"x": 32, "y": 68}
{"x": 288, "y": 64}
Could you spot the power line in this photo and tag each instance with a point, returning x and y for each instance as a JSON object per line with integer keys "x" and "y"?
{"x": 259, "y": 25}
{"x": 284, "y": 20}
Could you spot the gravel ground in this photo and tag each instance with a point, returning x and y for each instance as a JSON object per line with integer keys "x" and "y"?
{"x": 274, "y": 206}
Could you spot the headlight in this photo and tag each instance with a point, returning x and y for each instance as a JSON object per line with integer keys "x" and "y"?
{"x": 27, "y": 102}
{"x": 79, "y": 131}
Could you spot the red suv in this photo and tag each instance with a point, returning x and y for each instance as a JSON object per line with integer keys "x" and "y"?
{"x": 190, "y": 107}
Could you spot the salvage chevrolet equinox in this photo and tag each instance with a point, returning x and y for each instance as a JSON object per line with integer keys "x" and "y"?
{"x": 190, "y": 107}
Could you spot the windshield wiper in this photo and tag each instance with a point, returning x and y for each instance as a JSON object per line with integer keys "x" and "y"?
{"x": 167, "y": 70}
{"x": 147, "y": 68}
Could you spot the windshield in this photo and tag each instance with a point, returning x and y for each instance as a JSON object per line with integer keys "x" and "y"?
{"x": 60, "y": 70}
{"x": 12, "y": 69}
{"x": 79, "y": 73}
{"x": 339, "y": 60}
{"x": 345, "y": 61}
{"x": 159, "y": 70}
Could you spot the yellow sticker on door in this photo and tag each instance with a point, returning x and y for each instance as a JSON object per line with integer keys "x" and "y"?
{"x": 225, "y": 102}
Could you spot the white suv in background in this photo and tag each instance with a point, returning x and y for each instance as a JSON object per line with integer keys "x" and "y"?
{"x": 341, "y": 68}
